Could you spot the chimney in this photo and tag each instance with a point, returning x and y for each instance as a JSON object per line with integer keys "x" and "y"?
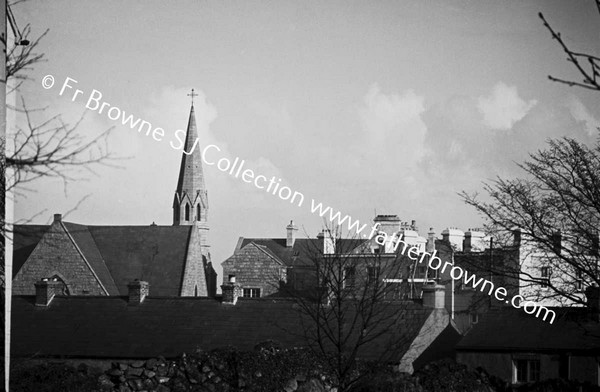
{"x": 138, "y": 291}
{"x": 454, "y": 237}
{"x": 557, "y": 242}
{"x": 328, "y": 242}
{"x": 516, "y": 237}
{"x": 592, "y": 294}
{"x": 290, "y": 234}
{"x": 474, "y": 241}
{"x": 45, "y": 290}
{"x": 434, "y": 295}
{"x": 389, "y": 224}
{"x": 57, "y": 217}
{"x": 430, "y": 240}
{"x": 231, "y": 291}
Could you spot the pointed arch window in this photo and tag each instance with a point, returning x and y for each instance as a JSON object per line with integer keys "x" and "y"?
{"x": 198, "y": 212}
{"x": 187, "y": 212}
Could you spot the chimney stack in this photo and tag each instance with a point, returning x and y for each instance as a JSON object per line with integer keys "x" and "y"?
{"x": 328, "y": 242}
{"x": 45, "y": 290}
{"x": 516, "y": 237}
{"x": 231, "y": 291}
{"x": 290, "y": 234}
{"x": 592, "y": 294}
{"x": 430, "y": 247}
{"x": 434, "y": 296}
{"x": 57, "y": 217}
{"x": 138, "y": 291}
{"x": 389, "y": 224}
{"x": 474, "y": 241}
{"x": 454, "y": 237}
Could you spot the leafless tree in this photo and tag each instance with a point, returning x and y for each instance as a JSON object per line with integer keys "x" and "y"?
{"x": 45, "y": 146}
{"x": 557, "y": 210}
{"x": 587, "y": 65}
{"x": 352, "y": 313}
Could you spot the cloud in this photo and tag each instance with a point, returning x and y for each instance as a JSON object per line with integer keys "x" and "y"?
{"x": 503, "y": 108}
{"x": 394, "y": 120}
{"x": 583, "y": 116}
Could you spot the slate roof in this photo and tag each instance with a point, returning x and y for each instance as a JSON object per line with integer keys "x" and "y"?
{"x": 508, "y": 329}
{"x": 107, "y": 327}
{"x": 303, "y": 250}
{"x": 120, "y": 254}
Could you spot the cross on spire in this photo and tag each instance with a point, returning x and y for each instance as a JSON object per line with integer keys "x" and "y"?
{"x": 192, "y": 95}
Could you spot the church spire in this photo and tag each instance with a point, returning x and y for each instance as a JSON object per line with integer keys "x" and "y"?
{"x": 190, "y": 205}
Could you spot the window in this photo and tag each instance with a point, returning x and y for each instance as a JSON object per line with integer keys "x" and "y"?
{"x": 474, "y": 318}
{"x": 526, "y": 370}
{"x": 349, "y": 277}
{"x": 372, "y": 273}
{"x": 421, "y": 272}
{"x": 251, "y": 293}
{"x": 187, "y": 212}
{"x": 545, "y": 280}
{"x": 198, "y": 212}
{"x": 579, "y": 280}
{"x": 546, "y": 272}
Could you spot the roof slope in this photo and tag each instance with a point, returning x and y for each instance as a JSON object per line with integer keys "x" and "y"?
{"x": 508, "y": 329}
{"x": 107, "y": 327}
{"x": 155, "y": 254}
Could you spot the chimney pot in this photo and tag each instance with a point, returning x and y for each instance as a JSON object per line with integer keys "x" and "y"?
{"x": 138, "y": 291}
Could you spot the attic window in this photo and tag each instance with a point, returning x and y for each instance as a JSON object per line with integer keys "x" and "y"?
{"x": 251, "y": 293}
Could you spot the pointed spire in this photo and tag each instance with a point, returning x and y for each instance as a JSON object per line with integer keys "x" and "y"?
{"x": 191, "y": 194}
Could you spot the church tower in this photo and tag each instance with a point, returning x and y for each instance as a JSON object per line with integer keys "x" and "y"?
{"x": 190, "y": 204}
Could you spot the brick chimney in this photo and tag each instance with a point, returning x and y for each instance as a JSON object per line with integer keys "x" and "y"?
{"x": 474, "y": 241}
{"x": 454, "y": 237}
{"x": 430, "y": 247}
{"x": 389, "y": 224}
{"x": 290, "y": 234}
{"x": 45, "y": 290}
{"x": 592, "y": 294}
{"x": 57, "y": 217}
{"x": 138, "y": 291}
{"x": 231, "y": 291}
{"x": 434, "y": 295}
{"x": 516, "y": 237}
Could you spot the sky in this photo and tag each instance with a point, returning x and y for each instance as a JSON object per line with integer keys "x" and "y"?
{"x": 387, "y": 107}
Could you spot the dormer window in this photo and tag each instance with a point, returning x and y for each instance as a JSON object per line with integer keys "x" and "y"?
{"x": 187, "y": 212}
{"x": 198, "y": 212}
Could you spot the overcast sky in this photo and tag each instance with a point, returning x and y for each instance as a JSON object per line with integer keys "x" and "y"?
{"x": 383, "y": 106}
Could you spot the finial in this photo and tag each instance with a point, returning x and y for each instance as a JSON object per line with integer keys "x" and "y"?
{"x": 192, "y": 95}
